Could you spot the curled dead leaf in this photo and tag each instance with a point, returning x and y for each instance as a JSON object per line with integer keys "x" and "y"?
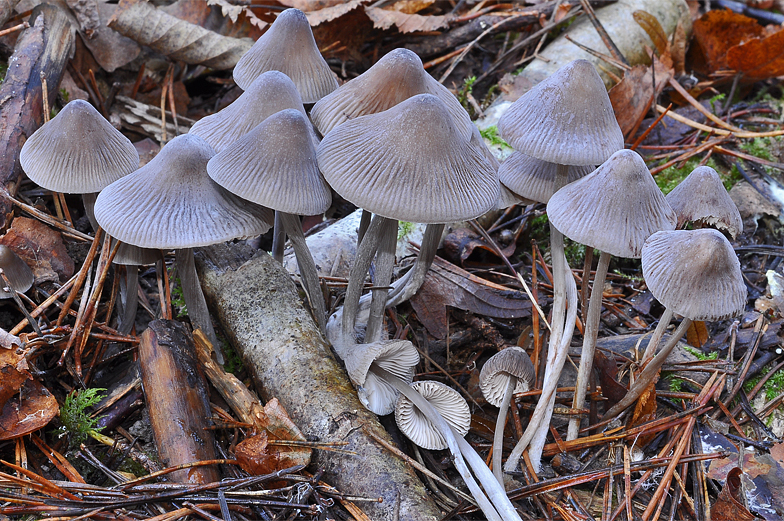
{"x": 730, "y": 505}
{"x": 406, "y": 23}
{"x": 759, "y": 58}
{"x": 27, "y": 411}
{"x": 720, "y": 29}
{"x": 257, "y": 456}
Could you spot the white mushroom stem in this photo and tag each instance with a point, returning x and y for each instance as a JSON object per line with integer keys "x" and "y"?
{"x": 646, "y": 377}
{"x": 194, "y": 298}
{"x": 500, "y": 508}
{"x": 589, "y": 342}
{"x": 385, "y": 264}
{"x": 498, "y": 435}
{"x": 364, "y": 222}
{"x": 658, "y": 333}
{"x": 292, "y": 226}
{"x": 278, "y": 239}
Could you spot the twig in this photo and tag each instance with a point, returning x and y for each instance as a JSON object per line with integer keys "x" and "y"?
{"x": 718, "y": 131}
{"x": 603, "y": 33}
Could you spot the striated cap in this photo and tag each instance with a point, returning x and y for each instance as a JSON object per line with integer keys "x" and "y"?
{"x": 565, "y": 119}
{"x": 615, "y": 208}
{"x": 19, "y": 274}
{"x": 397, "y": 76}
{"x": 702, "y": 199}
{"x": 695, "y": 273}
{"x": 446, "y": 401}
{"x": 399, "y": 357}
{"x": 77, "y": 152}
{"x": 410, "y": 163}
{"x": 288, "y": 46}
{"x": 171, "y": 202}
{"x": 495, "y": 374}
{"x": 271, "y": 92}
{"x": 533, "y": 178}
{"x": 274, "y": 165}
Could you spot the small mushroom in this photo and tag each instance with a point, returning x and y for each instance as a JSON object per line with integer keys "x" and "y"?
{"x": 20, "y": 276}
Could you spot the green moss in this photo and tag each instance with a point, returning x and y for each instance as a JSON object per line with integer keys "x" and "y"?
{"x": 772, "y": 388}
{"x": 403, "y": 229}
{"x": 75, "y": 419}
{"x": 3, "y": 70}
{"x": 700, "y": 355}
{"x": 491, "y": 134}
{"x": 232, "y": 360}
{"x": 674, "y": 383}
{"x": 574, "y": 251}
{"x": 757, "y": 147}
{"x": 465, "y": 91}
{"x": 670, "y": 177}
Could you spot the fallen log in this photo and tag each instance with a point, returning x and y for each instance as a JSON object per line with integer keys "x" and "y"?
{"x": 260, "y": 310}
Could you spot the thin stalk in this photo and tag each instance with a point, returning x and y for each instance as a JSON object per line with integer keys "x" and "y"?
{"x": 589, "y": 341}
{"x": 194, "y": 298}
{"x": 498, "y": 435}
{"x": 129, "y": 299}
{"x": 292, "y": 226}
{"x": 385, "y": 264}
{"x": 278, "y": 238}
{"x": 364, "y": 222}
{"x": 658, "y": 333}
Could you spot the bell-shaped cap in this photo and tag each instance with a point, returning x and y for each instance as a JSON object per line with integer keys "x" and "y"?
{"x": 288, "y": 46}
{"x": 271, "y": 92}
{"x": 77, "y": 152}
{"x": 18, "y": 273}
{"x": 409, "y": 163}
{"x": 534, "y": 179}
{"x": 399, "y": 357}
{"x": 495, "y": 374}
{"x": 171, "y": 203}
{"x": 702, "y": 199}
{"x": 566, "y": 119}
{"x": 397, "y": 76}
{"x": 615, "y": 208}
{"x": 695, "y": 273}
{"x": 418, "y": 428}
{"x": 274, "y": 165}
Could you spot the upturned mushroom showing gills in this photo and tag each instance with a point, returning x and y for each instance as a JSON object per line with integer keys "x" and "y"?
{"x": 171, "y": 203}
{"x": 288, "y": 46}
{"x": 613, "y": 209}
{"x": 18, "y": 273}
{"x": 694, "y": 273}
{"x": 409, "y": 162}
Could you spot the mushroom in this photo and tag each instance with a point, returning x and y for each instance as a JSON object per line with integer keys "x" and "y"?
{"x": 171, "y": 203}
{"x": 274, "y": 165}
{"x": 17, "y": 277}
{"x": 614, "y": 209}
{"x": 534, "y": 179}
{"x": 694, "y": 273}
{"x": 508, "y": 371}
{"x": 288, "y": 46}
{"x": 567, "y": 119}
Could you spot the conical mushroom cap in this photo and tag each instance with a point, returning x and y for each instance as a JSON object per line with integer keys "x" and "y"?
{"x": 271, "y": 92}
{"x": 701, "y": 198}
{"x": 695, "y": 273}
{"x": 495, "y": 374}
{"x": 19, "y": 274}
{"x": 396, "y": 77}
{"x": 399, "y": 357}
{"x": 274, "y": 165}
{"x": 533, "y": 178}
{"x": 615, "y": 208}
{"x": 566, "y": 119}
{"x": 288, "y": 46}
{"x": 410, "y": 163}
{"x": 77, "y": 152}
{"x": 171, "y": 203}
{"x": 418, "y": 428}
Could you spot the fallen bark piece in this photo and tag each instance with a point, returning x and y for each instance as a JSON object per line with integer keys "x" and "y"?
{"x": 176, "y": 395}
{"x": 258, "y": 306}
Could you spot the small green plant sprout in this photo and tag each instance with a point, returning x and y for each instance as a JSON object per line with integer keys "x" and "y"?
{"x": 699, "y": 355}
{"x": 75, "y": 419}
{"x": 714, "y": 99}
{"x": 491, "y": 135}
{"x": 403, "y": 229}
{"x": 465, "y": 91}
{"x": 178, "y": 298}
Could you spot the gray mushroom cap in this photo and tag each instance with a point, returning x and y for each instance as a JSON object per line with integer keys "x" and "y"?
{"x": 410, "y": 163}
{"x": 77, "y": 152}
{"x": 566, "y": 119}
{"x": 288, "y": 46}
{"x": 399, "y": 357}
{"x": 615, "y": 208}
{"x": 271, "y": 92}
{"x": 534, "y": 179}
{"x": 171, "y": 203}
{"x": 702, "y": 199}
{"x": 418, "y": 428}
{"x": 19, "y": 274}
{"x": 695, "y": 273}
{"x": 397, "y": 76}
{"x": 495, "y": 374}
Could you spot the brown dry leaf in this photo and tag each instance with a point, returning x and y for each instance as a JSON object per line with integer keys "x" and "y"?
{"x": 175, "y": 38}
{"x": 650, "y": 24}
{"x": 311, "y": 5}
{"x": 644, "y": 411}
{"x": 86, "y": 12}
{"x": 462, "y": 242}
{"x": 41, "y": 248}
{"x": 331, "y": 12}
{"x": 33, "y": 411}
{"x": 257, "y": 456}
{"x": 678, "y": 48}
{"x": 759, "y": 58}
{"x": 109, "y": 48}
{"x": 406, "y": 23}
{"x": 278, "y": 423}
{"x": 13, "y": 373}
{"x": 608, "y": 371}
{"x": 720, "y": 29}
{"x": 729, "y": 506}
{"x": 631, "y": 97}
{"x": 411, "y": 6}
{"x": 697, "y": 334}
{"x": 9, "y": 341}
{"x": 448, "y": 285}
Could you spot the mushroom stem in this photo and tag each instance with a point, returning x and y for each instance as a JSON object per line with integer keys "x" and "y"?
{"x": 589, "y": 341}
{"x": 658, "y": 333}
{"x": 385, "y": 264}
{"x": 292, "y": 226}
{"x": 194, "y": 298}
{"x": 649, "y": 373}
{"x": 498, "y": 435}
{"x": 129, "y": 296}
{"x": 278, "y": 238}
{"x": 446, "y": 431}
{"x": 364, "y": 222}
